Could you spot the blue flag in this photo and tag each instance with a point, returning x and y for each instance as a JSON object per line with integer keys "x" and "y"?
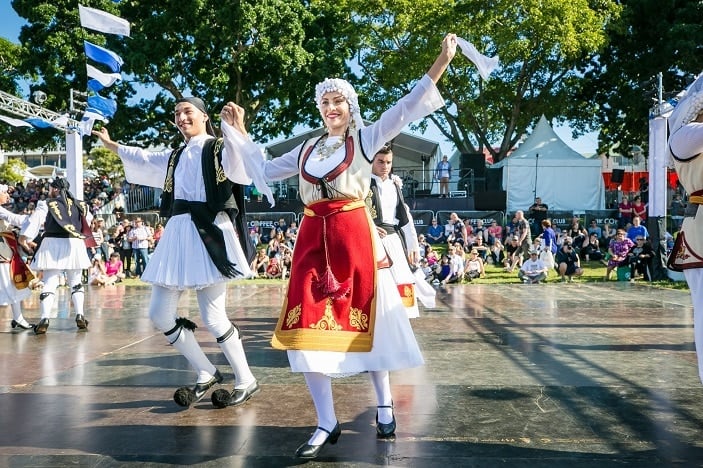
{"x": 39, "y": 123}
{"x": 103, "y": 106}
{"x": 95, "y": 86}
{"x": 101, "y": 55}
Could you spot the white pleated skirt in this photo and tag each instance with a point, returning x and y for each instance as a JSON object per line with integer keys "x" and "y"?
{"x": 394, "y": 344}
{"x": 57, "y": 253}
{"x": 9, "y": 294}
{"x": 180, "y": 260}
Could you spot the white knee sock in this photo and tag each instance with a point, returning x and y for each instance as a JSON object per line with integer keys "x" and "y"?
{"x": 189, "y": 347}
{"x": 320, "y": 387}
{"x": 382, "y": 384}
{"x": 17, "y": 313}
{"x": 234, "y": 352}
{"x": 73, "y": 278}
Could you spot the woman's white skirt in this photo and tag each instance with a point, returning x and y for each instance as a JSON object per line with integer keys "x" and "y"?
{"x": 400, "y": 268}
{"x": 394, "y": 344}
{"x": 180, "y": 260}
{"x": 59, "y": 253}
{"x": 9, "y": 294}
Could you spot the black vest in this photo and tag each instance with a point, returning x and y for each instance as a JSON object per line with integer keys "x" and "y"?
{"x": 221, "y": 194}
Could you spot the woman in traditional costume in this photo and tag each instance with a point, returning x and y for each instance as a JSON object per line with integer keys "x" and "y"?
{"x": 342, "y": 314}
{"x": 686, "y": 150}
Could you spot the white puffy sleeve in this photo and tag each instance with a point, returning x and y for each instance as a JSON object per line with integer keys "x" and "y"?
{"x": 12, "y": 218}
{"x": 144, "y": 167}
{"x": 241, "y": 150}
{"x": 32, "y": 225}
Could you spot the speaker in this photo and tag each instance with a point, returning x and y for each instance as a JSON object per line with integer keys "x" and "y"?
{"x": 494, "y": 179}
{"x": 490, "y": 200}
{"x": 617, "y": 176}
{"x": 475, "y": 161}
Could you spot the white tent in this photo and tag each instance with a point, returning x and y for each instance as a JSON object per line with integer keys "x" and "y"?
{"x": 546, "y": 167}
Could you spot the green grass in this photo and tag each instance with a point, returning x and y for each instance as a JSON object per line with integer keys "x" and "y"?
{"x": 594, "y": 272}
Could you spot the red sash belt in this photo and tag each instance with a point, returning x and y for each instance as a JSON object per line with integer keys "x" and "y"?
{"x": 330, "y": 303}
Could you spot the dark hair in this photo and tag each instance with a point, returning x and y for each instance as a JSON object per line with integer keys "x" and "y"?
{"x": 385, "y": 149}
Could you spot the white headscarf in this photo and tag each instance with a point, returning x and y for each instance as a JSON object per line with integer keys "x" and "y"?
{"x": 689, "y": 106}
{"x": 345, "y": 89}
{"x": 4, "y": 188}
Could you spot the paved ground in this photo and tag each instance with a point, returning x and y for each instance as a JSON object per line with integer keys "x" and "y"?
{"x": 577, "y": 375}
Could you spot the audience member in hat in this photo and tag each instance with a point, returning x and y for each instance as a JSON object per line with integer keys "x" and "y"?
{"x": 533, "y": 270}
{"x": 567, "y": 262}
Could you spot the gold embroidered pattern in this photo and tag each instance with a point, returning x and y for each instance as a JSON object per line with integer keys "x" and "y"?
{"x": 54, "y": 207}
{"x": 327, "y": 322}
{"x": 293, "y": 316}
{"x": 370, "y": 205}
{"x": 69, "y": 205}
{"x": 358, "y": 319}
{"x": 681, "y": 253}
{"x": 219, "y": 172}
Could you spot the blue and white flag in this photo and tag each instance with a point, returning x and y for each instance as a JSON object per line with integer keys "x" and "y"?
{"x": 95, "y": 86}
{"x": 104, "y": 56}
{"x": 15, "y": 122}
{"x": 39, "y": 123}
{"x": 85, "y": 126}
{"x": 103, "y": 106}
{"x": 105, "y": 79}
{"x": 103, "y": 21}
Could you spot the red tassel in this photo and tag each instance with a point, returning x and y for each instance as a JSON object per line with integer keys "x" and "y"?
{"x": 329, "y": 286}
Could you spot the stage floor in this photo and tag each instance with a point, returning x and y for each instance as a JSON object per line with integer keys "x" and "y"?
{"x": 577, "y": 375}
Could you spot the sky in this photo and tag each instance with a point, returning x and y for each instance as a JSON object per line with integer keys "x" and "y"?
{"x": 10, "y": 29}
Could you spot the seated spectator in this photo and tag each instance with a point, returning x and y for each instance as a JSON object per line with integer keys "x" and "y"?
{"x": 513, "y": 257}
{"x": 474, "y": 266}
{"x": 286, "y": 262}
{"x": 435, "y": 233}
{"x": 456, "y": 265}
{"x": 114, "y": 269}
{"x": 617, "y": 251}
{"x": 577, "y": 233}
{"x": 260, "y": 263}
{"x": 481, "y": 249}
{"x": 497, "y": 252}
{"x": 442, "y": 270}
{"x": 637, "y": 229}
{"x": 608, "y": 235}
{"x": 96, "y": 273}
{"x": 640, "y": 259}
{"x": 533, "y": 270}
{"x": 591, "y": 251}
{"x": 426, "y": 270}
{"x": 495, "y": 232}
{"x": 254, "y": 235}
{"x": 274, "y": 270}
{"x": 431, "y": 256}
{"x": 292, "y": 234}
{"x": 422, "y": 245}
{"x": 481, "y": 231}
{"x": 566, "y": 262}
{"x": 593, "y": 228}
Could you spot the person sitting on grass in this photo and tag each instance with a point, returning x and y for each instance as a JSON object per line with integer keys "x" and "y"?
{"x": 618, "y": 250}
{"x": 474, "y": 266}
{"x": 567, "y": 262}
{"x": 533, "y": 270}
{"x": 513, "y": 257}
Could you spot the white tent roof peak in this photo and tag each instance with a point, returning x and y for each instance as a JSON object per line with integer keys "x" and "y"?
{"x": 544, "y": 141}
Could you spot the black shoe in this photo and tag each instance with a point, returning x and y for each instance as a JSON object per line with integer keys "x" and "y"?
{"x": 201, "y": 389}
{"x": 186, "y": 396}
{"x": 385, "y": 431}
{"x": 81, "y": 322}
{"x": 41, "y": 327}
{"x": 312, "y": 451}
{"x": 222, "y": 398}
{"x": 16, "y": 324}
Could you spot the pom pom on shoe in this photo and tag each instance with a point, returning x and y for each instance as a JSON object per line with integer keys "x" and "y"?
{"x": 184, "y": 396}
{"x": 220, "y": 398}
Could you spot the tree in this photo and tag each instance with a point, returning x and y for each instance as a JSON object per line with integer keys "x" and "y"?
{"x": 105, "y": 162}
{"x": 265, "y": 55}
{"x": 650, "y": 37}
{"x": 13, "y": 170}
{"x": 540, "y": 44}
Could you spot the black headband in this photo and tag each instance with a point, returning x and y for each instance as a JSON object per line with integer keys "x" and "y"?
{"x": 200, "y": 105}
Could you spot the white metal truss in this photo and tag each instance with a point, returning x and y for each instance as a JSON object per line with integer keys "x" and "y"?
{"x": 25, "y": 109}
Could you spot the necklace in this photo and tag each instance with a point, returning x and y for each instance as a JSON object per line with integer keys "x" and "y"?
{"x": 323, "y": 151}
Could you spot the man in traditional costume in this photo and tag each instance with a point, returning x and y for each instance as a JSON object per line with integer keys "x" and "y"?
{"x": 342, "y": 314}
{"x": 62, "y": 248}
{"x": 686, "y": 150}
{"x": 395, "y": 227}
{"x": 200, "y": 248}
{"x": 14, "y": 272}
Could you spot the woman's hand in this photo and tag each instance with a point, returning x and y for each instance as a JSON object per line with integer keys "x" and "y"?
{"x": 234, "y": 116}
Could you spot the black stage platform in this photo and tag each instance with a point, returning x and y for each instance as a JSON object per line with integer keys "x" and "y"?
{"x": 553, "y": 375}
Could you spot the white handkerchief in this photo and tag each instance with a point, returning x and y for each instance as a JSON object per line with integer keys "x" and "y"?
{"x": 484, "y": 64}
